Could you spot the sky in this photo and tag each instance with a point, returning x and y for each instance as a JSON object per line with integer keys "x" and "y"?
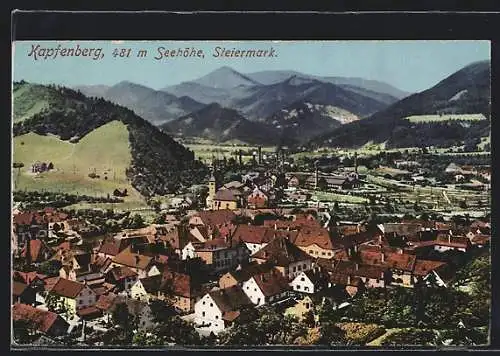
{"x": 411, "y": 66}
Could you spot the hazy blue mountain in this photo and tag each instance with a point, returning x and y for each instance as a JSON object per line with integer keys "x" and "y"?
{"x": 93, "y": 90}
{"x": 225, "y": 78}
{"x": 155, "y": 106}
{"x": 262, "y": 101}
{"x": 275, "y": 76}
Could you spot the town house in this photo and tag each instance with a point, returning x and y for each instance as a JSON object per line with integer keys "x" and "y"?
{"x": 46, "y": 322}
{"x": 138, "y": 263}
{"x": 73, "y": 295}
{"x": 219, "y": 223}
{"x": 242, "y": 274}
{"x": 217, "y": 310}
{"x": 288, "y": 258}
{"x": 309, "y": 282}
{"x": 316, "y": 242}
{"x": 266, "y": 287}
{"x": 258, "y": 199}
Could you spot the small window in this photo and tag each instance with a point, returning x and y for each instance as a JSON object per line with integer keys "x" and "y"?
{"x": 307, "y": 305}
{"x": 297, "y": 286}
{"x": 299, "y": 268}
{"x": 255, "y": 289}
{"x": 323, "y": 253}
{"x": 258, "y": 300}
{"x": 304, "y": 266}
{"x": 80, "y": 301}
{"x": 211, "y": 304}
{"x": 216, "y": 317}
{"x": 310, "y": 251}
{"x": 203, "y": 303}
{"x": 306, "y": 289}
{"x": 294, "y": 269}
{"x": 302, "y": 279}
{"x": 202, "y": 313}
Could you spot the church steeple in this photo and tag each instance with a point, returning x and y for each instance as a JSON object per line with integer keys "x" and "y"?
{"x": 212, "y": 188}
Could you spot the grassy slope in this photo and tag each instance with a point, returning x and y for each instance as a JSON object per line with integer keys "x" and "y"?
{"x": 439, "y": 118}
{"x": 30, "y": 100}
{"x": 106, "y": 149}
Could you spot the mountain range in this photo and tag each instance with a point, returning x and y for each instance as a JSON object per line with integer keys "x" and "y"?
{"x": 155, "y": 106}
{"x": 263, "y": 97}
{"x": 297, "y": 107}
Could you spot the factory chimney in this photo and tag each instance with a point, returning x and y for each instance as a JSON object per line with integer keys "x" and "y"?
{"x": 260, "y": 155}
{"x": 316, "y": 175}
{"x": 356, "y": 162}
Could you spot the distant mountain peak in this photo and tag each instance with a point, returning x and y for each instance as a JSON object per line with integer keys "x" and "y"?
{"x": 226, "y": 77}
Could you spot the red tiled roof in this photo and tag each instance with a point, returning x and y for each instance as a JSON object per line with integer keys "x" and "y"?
{"x": 251, "y": 234}
{"x": 402, "y": 261}
{"x": 281, "y": 252}
{"x": 130, "y": 259}
{"x": 38, "y": 247}
{"x": 230, "y": 299}
{"x": 27, "y": 277}
{"x": 292, "y": 224}
{"x": 248, "y": 271}
{"x": 121, "y": 272}
{"x": 423, "y": 267}
{"x": 110, "y": 248}
{"x": 454, "y": 241}
{"x": 100, "y": 263}
{"x": 26, "y": 218}
{"x": 18, "y": 288}
{"x": 226, "y": 195}
{"x": 211, "y": 245}
{"x": 480, "y": 239}
{"x": 105, "y": 302}
{"x": 41, "y": 319}
{"x": 360, "y": 270}
{"x": 216, "y": 217}
{"x": 182, "y": 284}
{"x": 230, "y": 315}
{"x": 308, "y": 236}
{"x": 271, "y": 283}
{"x": 67, "y": 288}
{"x": 89, "y": 312}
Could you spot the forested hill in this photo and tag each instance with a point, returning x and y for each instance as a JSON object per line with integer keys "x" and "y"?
{"x": 467, "y": 91}
{"x": 159, "y": 164}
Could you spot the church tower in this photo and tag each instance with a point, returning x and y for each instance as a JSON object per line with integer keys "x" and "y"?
{"x": 212, "y": 189}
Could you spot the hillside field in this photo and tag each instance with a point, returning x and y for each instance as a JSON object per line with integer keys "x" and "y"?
{"x": 104, "y": 151}
{"x": 445, "y": 117}
{"x": 29, "y": 100}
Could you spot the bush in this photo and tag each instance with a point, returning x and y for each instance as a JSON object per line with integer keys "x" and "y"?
{"x": 361, "y": 333}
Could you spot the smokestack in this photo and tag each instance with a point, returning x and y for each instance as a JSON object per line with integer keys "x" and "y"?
{"x": 316, "y": 175}
{"x": 260, "y": 155}
{"x": 240, "y": 158}
{"x": 356, "y": 162}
